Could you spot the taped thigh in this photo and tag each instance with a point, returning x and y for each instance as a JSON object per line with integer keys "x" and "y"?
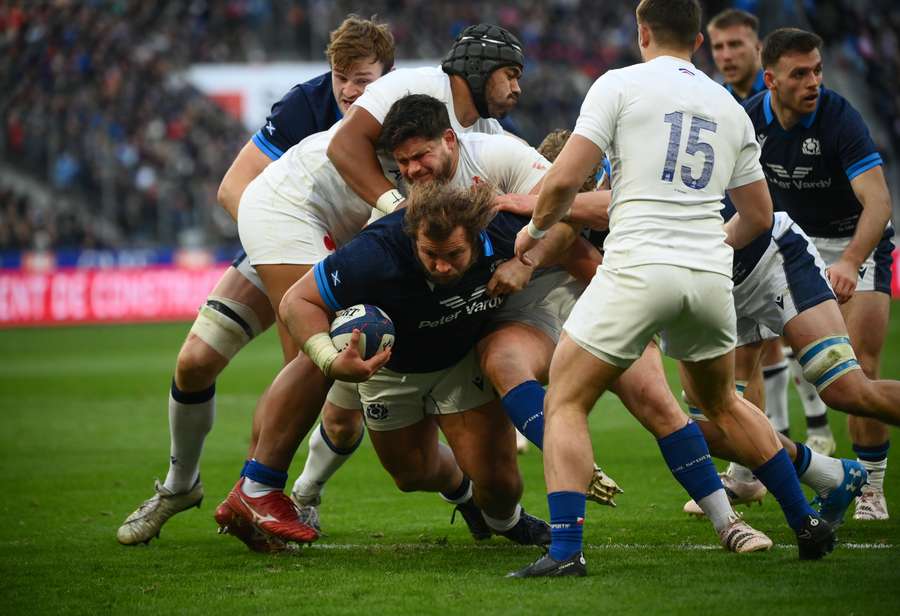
{"x": 826, "y": 360}
{"x": 226, "y": 325}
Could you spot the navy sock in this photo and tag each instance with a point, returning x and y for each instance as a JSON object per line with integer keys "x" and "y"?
{"x": 461, "y": 490}
{"x": 872, "y": 454}
{"x": 257, "y": 471}
{"x": 524, "y": 404}
{"x": 804, "y": 455}
{"x": 687, "y": 455}
{"x": 779, "y": 476}
{"x": 566, "y": 523}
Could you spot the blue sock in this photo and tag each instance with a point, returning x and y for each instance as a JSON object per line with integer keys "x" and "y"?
{"x": 524, "y": 404}
{"x": 686, "y": 453}
{"x": 872, "y": 454}
{"x": 566, "y": 523}
{"x": 257, "y": 471}
{"x": 779, "y": 476}
{"x": 801, "y": 462}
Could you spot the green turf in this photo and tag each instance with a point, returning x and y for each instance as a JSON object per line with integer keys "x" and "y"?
{"x": 85, "y": 431}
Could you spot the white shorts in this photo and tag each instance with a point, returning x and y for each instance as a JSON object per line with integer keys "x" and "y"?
{"x": 539, "y": 305}
{"x": 789, "y": 278}
{"x": 875, "y": 271}
{"x": 276, "y": 230}
{"x": 392, "y": 400}
{"x": 345, "y": 395}
{"x": 242, "y": 264}
{"x": 622, "y": 309}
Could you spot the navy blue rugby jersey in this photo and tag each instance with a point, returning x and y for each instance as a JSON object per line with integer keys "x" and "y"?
{"x": 809, "y": 167}
{"x": 307, "y": 108}
{"x": 747, "y": 257}
{"x": 759, "y": 85}
{"x": 436, "y": 325}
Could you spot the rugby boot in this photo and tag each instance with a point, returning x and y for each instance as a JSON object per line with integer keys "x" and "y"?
{"x": 871, "y": 505}
{"x": 603, "y": 488}
{"x": 739, "y": 493}
{"x": 529, "y": 530}
{"x": 815, "y": 538}
{"x": 146, "y": 521}
{"x": 265, "y": 523}
{"x": 741, "y": 538}
{"x": 308, "y": 510}
{"x": 822, "y": 443}
{"x": 546, "y": 566}
{"x": 833, "y": 506}
{"x": 471, "y": 514}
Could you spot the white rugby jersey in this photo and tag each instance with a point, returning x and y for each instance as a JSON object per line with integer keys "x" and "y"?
{"x": 676, "y": 140}
{"x": 505, "y": 163}
{"x": 431, "y": 80}
{"x": 306, "y": 178}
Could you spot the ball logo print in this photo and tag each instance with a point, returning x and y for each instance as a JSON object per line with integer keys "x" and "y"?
{"x": 375, "y": 327}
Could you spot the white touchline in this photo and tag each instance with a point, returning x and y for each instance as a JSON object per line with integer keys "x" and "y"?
{"x": 597, "y": 546}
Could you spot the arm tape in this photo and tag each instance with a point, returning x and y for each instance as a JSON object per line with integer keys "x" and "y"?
{"x": 321, "y": 350}
{"x": 534, "y": 232}
{"x": 389, "y": 201}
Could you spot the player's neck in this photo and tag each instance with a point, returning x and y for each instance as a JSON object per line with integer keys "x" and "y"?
{"x": 787, "y": 117}
{"x": 463, "y": 105}
{"x": 743, "y": 87}
{"x": 652, "y": 52}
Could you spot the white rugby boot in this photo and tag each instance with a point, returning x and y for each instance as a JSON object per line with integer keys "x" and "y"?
{"x": 823, "y": 444}
{"x": 871, "y": 505}
{"x": 147, "y": 520}
{"x": 739, "y": 493}
{"x": 741, "y": 538}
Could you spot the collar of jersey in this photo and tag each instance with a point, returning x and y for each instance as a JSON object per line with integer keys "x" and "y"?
{"x": 806, "y": 120}
{"x": 759, "y": 84}
{"x": 486, "y": 244}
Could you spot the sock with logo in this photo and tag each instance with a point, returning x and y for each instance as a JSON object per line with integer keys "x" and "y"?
{"x": 775, "y": 379}
{"x": 874, "y": 460}
{"x": 260, "y": 479}
{"x": 779, "y": 476}
{"x": 822, "y": 473}
{"x": 686, "y": 453}
{"x": 322, "y": 461}
{"x": 524, "y": 404}
{"x": 566, "y": 523}
{"x": 191, "y": 416}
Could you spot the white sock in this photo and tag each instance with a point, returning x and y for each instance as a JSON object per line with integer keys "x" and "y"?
{"x": 876, "y": 472}
{"x": 503, "y": 525}
{"x": 255, "y": 489}
{"x": 323, "y": 461}
{"x": 739, "y": 472}
{"x": 813, "y": 407}
{"x": 717, "y": 509}
{"x": 775, "y": 379}
{"x": 189, "y": 423}
{"x": 823, "y": 474}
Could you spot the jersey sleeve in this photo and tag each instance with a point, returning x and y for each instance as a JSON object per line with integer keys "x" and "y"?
{"x": 351, "y": 275}
{"x": 856, "y": 150}
{"x": 600, "y": 111}
{"x": 500, "y": 237}
{"x": 514, "y": 166}
{"x": 747, "y": 168}
{"x": 384, "y": 92}
{"x": 290, "y": 121}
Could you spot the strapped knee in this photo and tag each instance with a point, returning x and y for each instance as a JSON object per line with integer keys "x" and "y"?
{"x": 826, "y": 360}
{"x": 226, "y": 325}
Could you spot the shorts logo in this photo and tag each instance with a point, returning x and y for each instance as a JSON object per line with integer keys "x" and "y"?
{"x": 478, "y": 382}
{"x": 779, "y": 301}
{"x": 376, "y": 411}
{"x": 811, "y": 147}
{"x": 862, "y": 272}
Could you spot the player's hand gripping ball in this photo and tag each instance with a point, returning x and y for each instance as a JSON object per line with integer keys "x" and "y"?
{"x": 375, "y": 327}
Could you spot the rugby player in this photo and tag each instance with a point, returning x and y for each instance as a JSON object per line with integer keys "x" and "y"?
{"x": 824, "y": 170}
{"x": 237, "y": 309}
{"x": 734, "y": 40}
{"x": 666, "y": 267}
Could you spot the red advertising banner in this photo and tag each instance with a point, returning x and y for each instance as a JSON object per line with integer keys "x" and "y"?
{"x": 895, "y": 275}
{"x": 72, "y": 295}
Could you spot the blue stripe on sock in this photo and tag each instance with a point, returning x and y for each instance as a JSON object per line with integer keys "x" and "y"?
{"x": 341, "y": 451}
{"x": 524, "y": 404}
{"x": 779, "y": 476}
{"x": 257, "y": 471}
{"x": 566, "y": 523}
{"x": 687, "y": 455}
{"x": 193, "y": 397}
{"x": 804, "y": 457}
{"x": 875, "y": 453}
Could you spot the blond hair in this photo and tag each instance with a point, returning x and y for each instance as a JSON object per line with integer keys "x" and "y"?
{"x": 359, "y": 39}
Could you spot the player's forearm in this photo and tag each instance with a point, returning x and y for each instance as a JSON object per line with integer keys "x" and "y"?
{"x": 591, "y": 209}
{"x": 302, "y": 311}
{"x": 870, "y": 227}
{"x": 754, "y": 213}
{"x": 355, "y": 159}
{"x": 554, "y": 245}
{"x": 554, "y": 201}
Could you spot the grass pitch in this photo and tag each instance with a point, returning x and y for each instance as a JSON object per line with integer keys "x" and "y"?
{"x": 85, "y": 431}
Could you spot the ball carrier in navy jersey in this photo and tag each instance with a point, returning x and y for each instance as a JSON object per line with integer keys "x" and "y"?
{"x": 237, "y": 309}
{"x": 824, "y": 170}
{"x": 669, "y": 209}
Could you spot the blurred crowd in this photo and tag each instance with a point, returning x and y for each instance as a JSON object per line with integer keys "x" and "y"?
{"x": 92, "y": 103}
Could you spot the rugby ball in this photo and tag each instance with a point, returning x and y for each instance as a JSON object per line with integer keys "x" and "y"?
{"x": 375, "y": 327}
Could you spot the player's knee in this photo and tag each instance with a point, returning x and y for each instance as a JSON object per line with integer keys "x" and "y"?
{"x": 829, "y": 363}
{"x": 225, "y": 325}
{"x": 197, "y": 365}
{"x": 343, "y": 426}
{"x": 410, "y": 480}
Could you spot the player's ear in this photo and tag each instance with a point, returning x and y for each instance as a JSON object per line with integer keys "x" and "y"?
{"x": 449, "y": 137}
{"x": 697, "y": 42}
{"x": 643, "y": 35}
{"x": 768, "y": 79}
